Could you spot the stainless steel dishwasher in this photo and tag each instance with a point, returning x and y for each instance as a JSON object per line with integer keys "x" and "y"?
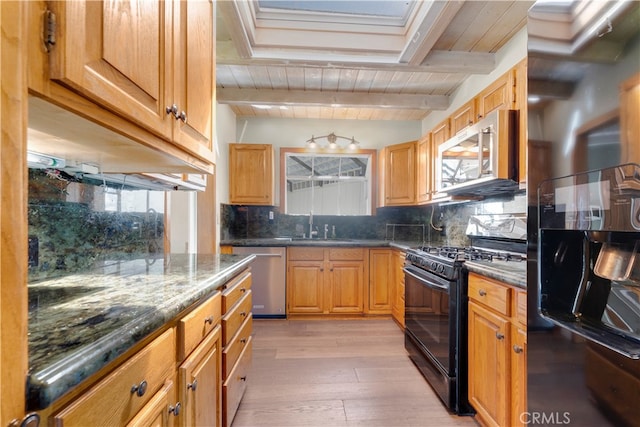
{"x": 268, "y": 286}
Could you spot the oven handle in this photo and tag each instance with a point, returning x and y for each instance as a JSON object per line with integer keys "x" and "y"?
{"x": 426, "y": 282}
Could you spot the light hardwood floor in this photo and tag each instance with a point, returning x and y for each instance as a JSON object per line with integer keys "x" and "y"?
{"x": 337, "y": 373}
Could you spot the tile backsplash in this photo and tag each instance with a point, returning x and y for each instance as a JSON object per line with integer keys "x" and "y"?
{"x": 72, "y": 224}
{"x": 443, "y": 224}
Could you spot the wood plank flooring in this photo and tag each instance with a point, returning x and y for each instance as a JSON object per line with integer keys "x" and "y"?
{"x": 337, "y": 373}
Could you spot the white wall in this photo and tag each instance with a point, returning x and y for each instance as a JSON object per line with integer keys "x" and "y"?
{"x": 225, "y": 135}
{"x": 182, "y": 217}
{"x": 511, "y": 53}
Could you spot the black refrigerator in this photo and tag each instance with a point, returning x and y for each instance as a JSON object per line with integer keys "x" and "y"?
{"x": 583, "y": 224}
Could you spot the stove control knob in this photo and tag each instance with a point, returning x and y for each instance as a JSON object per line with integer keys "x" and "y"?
{"x": 441, "y": 269}
{"x": 433, "y": 265}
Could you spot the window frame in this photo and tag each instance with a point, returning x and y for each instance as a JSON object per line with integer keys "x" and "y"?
{"x": 324, "y": 151}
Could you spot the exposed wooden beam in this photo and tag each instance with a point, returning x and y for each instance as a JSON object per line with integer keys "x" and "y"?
{"x": 333, "y": 98}
{"x": 436, "y": 62}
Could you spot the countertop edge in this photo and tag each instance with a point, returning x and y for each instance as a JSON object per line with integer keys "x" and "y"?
{"x": 515, "y": 279}
{"x": 47, "y": 385}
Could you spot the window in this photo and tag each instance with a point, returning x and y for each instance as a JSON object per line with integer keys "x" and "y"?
{"x": 327, "y": 183}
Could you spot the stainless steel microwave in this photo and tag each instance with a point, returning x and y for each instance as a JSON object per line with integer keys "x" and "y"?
{"x": 482, "y": 159}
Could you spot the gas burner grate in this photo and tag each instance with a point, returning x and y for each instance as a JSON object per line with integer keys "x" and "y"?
{"x": 471, "y": 253}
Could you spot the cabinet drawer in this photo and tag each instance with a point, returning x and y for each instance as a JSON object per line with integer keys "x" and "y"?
{"x": 305, "y": 254}
{"x": 489, "y": 293}
{"x": 346, "y": 254}
{"x": 235, "y": 385}
{"x": 232, "y": 321}
{"x": 235, "y": 290}
{"x": 113, "y": 401}
{"x": 232, "y": 352}
{"x": 196, "y": 325}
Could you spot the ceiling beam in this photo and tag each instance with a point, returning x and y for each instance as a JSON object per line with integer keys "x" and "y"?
{"x": 434, "y": 23}
{"x": 331, "y": 98}
{"x": 437, "y": 61}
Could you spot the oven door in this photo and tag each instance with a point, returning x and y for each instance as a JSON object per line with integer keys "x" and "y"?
{"x": 428, "y": 316}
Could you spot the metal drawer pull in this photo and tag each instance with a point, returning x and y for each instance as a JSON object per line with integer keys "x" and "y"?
{"x": 243, "y": 289}
{"x": 243, "y": 314}
{"x": 175, "y": 410}
{"x": 243, "y": 378}
{"x": 193, "y": 386}
{"x": 209, "y": 320}
{"x": 517, "y": 349}
{"x": 482, "y": 292}
{"x": 499, "y": 336}
{"x": 139, "y": 389}
{"x": 243, "y": 340}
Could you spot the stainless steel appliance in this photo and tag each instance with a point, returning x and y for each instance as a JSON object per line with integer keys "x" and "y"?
{"x": 582, "y": 217}
{"x": 481, "y": 159}
{"x": 436, "y": 302}
{"x": 268, "y": 289}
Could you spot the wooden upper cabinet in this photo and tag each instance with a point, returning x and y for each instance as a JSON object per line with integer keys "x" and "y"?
{"x": 520, "y": 103}
{"x": 463, "y": 117}
{"x": 424, "y": 173}
{"x": 498, "y": 95}
{"x": 119, "y": 55}
{"x": 251, "y": 174}
{"x": 441, "y": 133}
{"x": 400, "y": 174}
{"x": 151, "y": 62}
{"x": 194, "y": 79}
{"x": 629, "y": 113}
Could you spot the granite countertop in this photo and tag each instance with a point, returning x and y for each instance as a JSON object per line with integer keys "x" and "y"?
{"x": 294, "y": 241}
{"x": 81, "y": 322}
{"x": 510, "y": 272}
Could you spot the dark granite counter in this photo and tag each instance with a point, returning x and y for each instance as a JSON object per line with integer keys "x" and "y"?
{"x": 510, "y": 272}
{"x": 288, "y": 241}
{"x": 80, "y": 323}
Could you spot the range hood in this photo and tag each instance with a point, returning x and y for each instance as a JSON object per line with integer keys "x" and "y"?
{"x": 86, "y": 172}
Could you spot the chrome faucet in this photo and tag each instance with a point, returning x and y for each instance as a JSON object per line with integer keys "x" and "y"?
{"x": 326, "y": 231}
{"x": 311, "y": 225}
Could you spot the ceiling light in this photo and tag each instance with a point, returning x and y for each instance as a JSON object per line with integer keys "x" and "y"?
{"x": 261, "y": 107}
{"x": 37, "y": 160}
{"x": 332, "y": 140}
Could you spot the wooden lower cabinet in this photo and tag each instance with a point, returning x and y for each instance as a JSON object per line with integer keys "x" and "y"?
{"x": 381, "y": 277}
{"x": 113, "y": 401}
{"x": 497, "y": 351}
{"x": 160, "y": 411}
{"x": 397, "y": 309}
{"x": 325, "y": 280}
{"x": 200, "y": 379}
{"x": 237, "y": 321}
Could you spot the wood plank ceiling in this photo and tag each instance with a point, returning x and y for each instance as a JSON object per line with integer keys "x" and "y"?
{"x": 359, "y": 64}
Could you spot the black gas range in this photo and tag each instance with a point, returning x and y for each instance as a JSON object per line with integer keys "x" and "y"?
{"x": 436, "y": 301}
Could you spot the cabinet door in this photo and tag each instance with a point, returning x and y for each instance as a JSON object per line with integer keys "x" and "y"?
{"x": 498, "y": 95}
{"x": 463, "y": 117}
{"x": 400, "y": 176}
{"x": 90, "y": 57}
{"x": 305, "y": 287}
{"x": 193, "y": 77}
{"x": 629, "y": 113}
{"x": 441, "y": 133}
{"x": 518, "y": 390}
{"x": 346, "y": 283}
{"x": 398, "y": 283}
{"x": 200, "y": 384}
{"x": 488, "y": 365}
{"x": 156, "y": 412}
{"x": 426, "y": 163}
{"x": 251, "y": 174}
{"x": 381, "y": 275}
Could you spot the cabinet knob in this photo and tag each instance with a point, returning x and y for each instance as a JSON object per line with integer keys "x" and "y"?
{"x": 243, "y": 313}
{"x": 482, "y": 292}
{"x": 517, "y": 349}
{"x": 182, "y": 116}
{"x": 139, "y": 389}
{"x": 209, "y": 320}
{"x": 243, "y": 340}
{"x": 243, "y": 289}
{"x": 243, "y": 378}
{"x": 175, "y": 410}
{"x": 193, "y": 386}
{"x": 172, "y": 109}
{"x": 499, "y": 336}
